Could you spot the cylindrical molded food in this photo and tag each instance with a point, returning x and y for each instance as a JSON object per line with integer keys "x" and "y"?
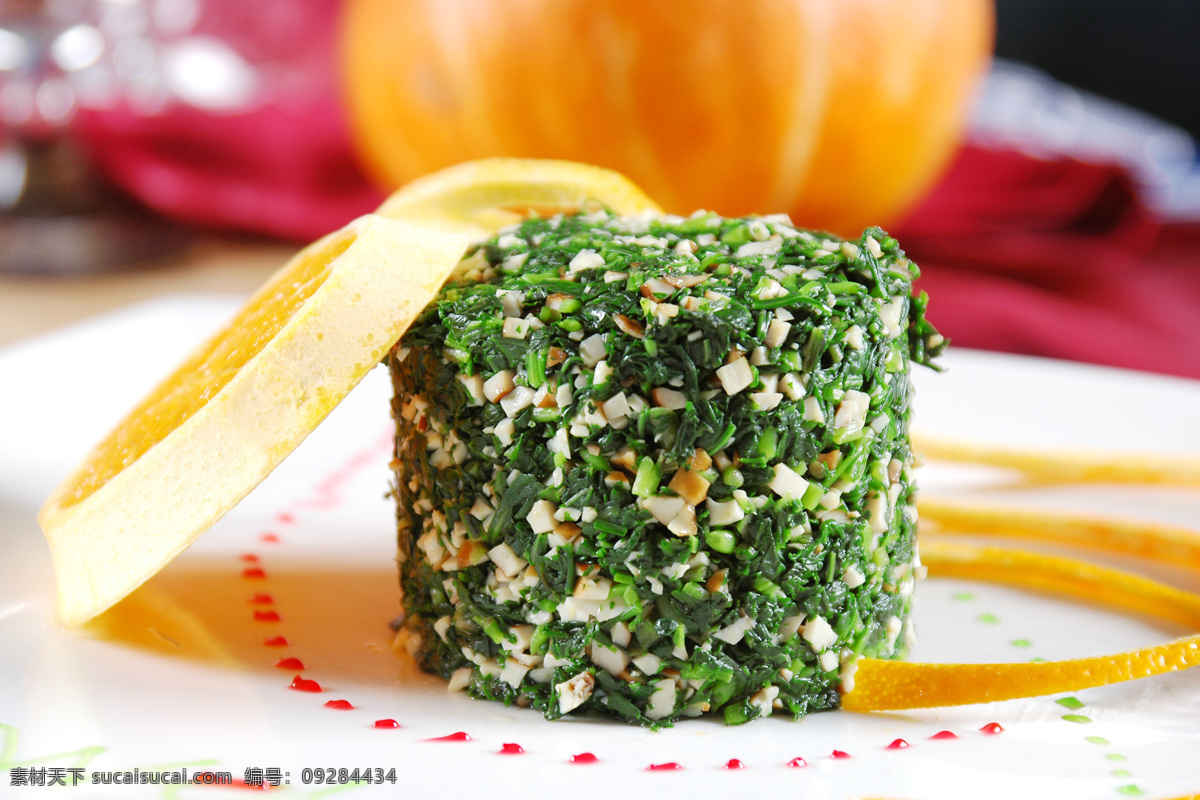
{"x": 656, "y": 467}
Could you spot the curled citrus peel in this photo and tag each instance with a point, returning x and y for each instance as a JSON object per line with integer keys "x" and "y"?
{"x": 1052, "y": 466}
{"x": 1170, "y": 544}
{"x": 895, "y": 685}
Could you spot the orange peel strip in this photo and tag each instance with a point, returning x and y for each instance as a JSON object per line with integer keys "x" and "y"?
{"x": 1050, "y": 466}
{"x": 1169, "y": 544}
{"x": 895, "y": 685}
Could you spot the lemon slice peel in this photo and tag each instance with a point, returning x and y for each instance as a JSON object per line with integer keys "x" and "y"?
{"x": 1066, "y": 466}
{"x": 897, "y": 685}
{"x": 1157, "y": 541}
{"x": 480, "y": 197}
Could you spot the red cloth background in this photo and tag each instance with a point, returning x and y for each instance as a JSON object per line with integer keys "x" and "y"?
{"x": 1048, "y": 257}
{"x": 1056, "y": 258}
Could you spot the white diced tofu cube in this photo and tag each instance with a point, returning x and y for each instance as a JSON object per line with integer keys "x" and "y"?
{"x": 662, "y": 507}
{"x": 593, "y": 349}
{"x": 499, "y": 385}
{"x": 474, "y": 387}
{"x": 791, "y": 386}
{"x": 819, "y": 635}
{"x": 777, "y": 333}
{"x": 573, "y": 692}
{"x": 516, "y": 401}
{"x": 736, "y": 376}
{"x": 787, "y": 483}
{"x": 586, "y": 259}
{"x": 610, "y": 659}
{"x": 662, "y": 702}
{"x": 725, "y": 513}
{"x": 507, "y": 560}
{"x": 541, "y": 517}
{"x": 735, "y": 631}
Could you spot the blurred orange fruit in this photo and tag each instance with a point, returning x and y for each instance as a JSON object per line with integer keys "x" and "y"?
{"x": 838, "y": 112}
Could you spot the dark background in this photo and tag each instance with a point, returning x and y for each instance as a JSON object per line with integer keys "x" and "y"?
{"x": 1145, "y": 53}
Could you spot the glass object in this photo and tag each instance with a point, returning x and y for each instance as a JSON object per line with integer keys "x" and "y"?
{"x": 57, "y": 216}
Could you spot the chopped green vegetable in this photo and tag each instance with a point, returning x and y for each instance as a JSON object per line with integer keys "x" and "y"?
{"x": 657, "y": 467}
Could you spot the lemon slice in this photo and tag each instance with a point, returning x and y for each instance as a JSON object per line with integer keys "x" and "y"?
{"x": 226, "y": 417}
{"x": 212, "y": 430}
{"x": 894, "y": 685}
{"x": 480, "y": 197}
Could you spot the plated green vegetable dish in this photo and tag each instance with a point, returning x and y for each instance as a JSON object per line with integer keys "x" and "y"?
{"x": 657, "y": 467}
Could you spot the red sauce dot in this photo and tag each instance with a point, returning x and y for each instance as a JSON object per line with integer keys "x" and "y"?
{"x": 734, "y": 763}
{"x": 797, "y": 762}
{"x": 459, "y": 736}
{"x": 261, "y": 599}
{"x": 305, "y": 685}
{"x": 250, "y": 557}
{"x": 511, "y": 749}
{"x": 340, "y": 705}
{"x": 290, "y": 663}
{"x": 898, "y": 744}
{"x": 270, "y": 538}
{"x": 944, "y": 735}
{"x": 266, "y": 616}
{"x": 992, "y": 728}
{"x": 255, "y": 573}
{"x": 275, "y": 641}
{"x": 386, "y": 723}
{"x": 664, "y": 767}
{"x": 839, "y": 754}
{"x": 584, "y": 758}
{"x": 285, "y": 517}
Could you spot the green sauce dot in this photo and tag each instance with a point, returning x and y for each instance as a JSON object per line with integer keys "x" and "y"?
{"x": 964, "y": 596}
{"x": 1080, "y": 718}
{"x": 1036, "y": 660}
{"x": 1070, "y": 702}
{"x": 1021, "y": 643}
{"x": 1100, "y": 740}
{"x": 990, "y": 619}
{"x": 1114, "y": 756}
{"x": 1131, "y": 790}
{"x": 1121, "y": 773}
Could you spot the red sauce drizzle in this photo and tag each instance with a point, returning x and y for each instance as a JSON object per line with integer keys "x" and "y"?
{"x": 276, "y": 641}
{"x": 305, "y": 685}
{"x": 270, "y": 538}
{"x": 797, "y": 762}
{"x": 666, "y": 766}
{"x": 285, "y": 517}
{"x": 992, "y": 728}
{"x": 255, "y": 573}
{"x": 584, "y": 758}
{"x": 734, "y": 763}
{"x": 340, "y": 705}
{"x": 386, "y": 723}
{"x": 250, "y": 557}
{"x": 290, "y": 663}
{"x": 839, "y": 754}
{"x": 460, "y": 736}
{"x": 944, "y": 735}
{"x": 511, "y": 749}
{"x": 261, "y": 600}
{"x": 898, "y": 744}
{"x": 266, "y": 616}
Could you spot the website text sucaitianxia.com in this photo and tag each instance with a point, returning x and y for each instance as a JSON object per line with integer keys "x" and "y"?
{"x": 34, "y": 776}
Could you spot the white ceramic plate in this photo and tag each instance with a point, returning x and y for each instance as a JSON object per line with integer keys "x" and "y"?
{"x": 179, "y": 677}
